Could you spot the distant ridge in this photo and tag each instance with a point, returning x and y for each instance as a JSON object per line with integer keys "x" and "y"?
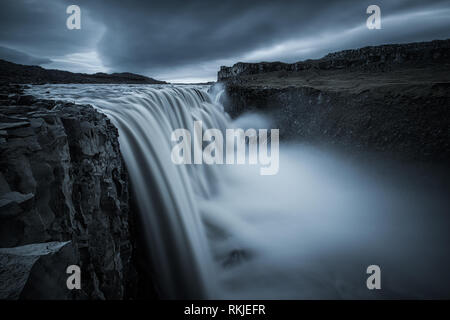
{"x": 18, "y": 73}
{"x": 372, "y": 58}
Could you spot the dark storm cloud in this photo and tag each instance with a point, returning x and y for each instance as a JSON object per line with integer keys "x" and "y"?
{"x": 38, "y": 27}
{"x": 191, "y": 31}
{"x": 191, "y": 38}
{"x": 161, "y": 35}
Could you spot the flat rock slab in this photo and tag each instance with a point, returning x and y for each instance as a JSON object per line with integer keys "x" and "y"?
{"x": 16, "y": 264}
{"x": 12, "y": 125}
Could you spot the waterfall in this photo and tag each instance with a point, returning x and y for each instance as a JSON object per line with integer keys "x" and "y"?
{"x": 166, "y": 193}
{"x": 217, "y": 231}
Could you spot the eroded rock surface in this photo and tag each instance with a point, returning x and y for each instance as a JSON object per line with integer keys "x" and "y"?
{"x": 17, "y": 263}
{"x": 391, "y": 99}
{"x": 368, "y": 59}
{"x": 62, "y": 179}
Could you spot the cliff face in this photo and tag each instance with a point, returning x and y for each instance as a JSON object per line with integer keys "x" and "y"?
{"x": 63, "y": 190}
{"x": 379, "y": 58}
{"x": 391, "y": 99}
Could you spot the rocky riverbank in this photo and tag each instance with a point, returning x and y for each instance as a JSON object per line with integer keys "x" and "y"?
{"x": 64, "y": 199}
{"x": 391, "y": 99}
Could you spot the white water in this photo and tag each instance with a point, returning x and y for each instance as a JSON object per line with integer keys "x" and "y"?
{"x": 308, "y": 232}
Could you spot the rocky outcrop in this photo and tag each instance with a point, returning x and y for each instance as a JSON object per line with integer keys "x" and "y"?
{"x": 400, "y": 123}
{"x": 17, "y": 264}
{"x": 378, "y": 58}
{"x": 391, "y": 99}
{"x": 22, "y": 74}
{"x": 62, "y": 179}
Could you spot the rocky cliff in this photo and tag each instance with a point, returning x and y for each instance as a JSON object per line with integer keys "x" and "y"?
{"x": 63, "y": 201}
{"x": 391, "y": 98}
{"x": 378, "y": 58}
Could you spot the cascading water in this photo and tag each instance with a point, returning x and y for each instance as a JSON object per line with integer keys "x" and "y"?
{"x": 217, "y": 231}
{"x": 165, "y": 193}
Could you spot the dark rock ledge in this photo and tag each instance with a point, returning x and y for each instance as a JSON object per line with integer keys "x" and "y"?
{"x": 64, "y": 191}
{"x": 392, "y": 100}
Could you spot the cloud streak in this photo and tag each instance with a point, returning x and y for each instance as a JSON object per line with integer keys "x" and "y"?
{"x": 21, "y": 57}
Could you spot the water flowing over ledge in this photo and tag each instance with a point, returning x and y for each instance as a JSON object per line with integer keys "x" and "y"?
{"x": 308, "y": 232}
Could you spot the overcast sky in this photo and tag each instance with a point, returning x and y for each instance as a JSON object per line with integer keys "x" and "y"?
{"x": 187, "y": 41}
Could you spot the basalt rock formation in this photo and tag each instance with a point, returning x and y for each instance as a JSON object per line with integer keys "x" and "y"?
{"x": 392, "y": 99}
{"x": 377, "y": 58}
{"x": 64, "y": 200}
